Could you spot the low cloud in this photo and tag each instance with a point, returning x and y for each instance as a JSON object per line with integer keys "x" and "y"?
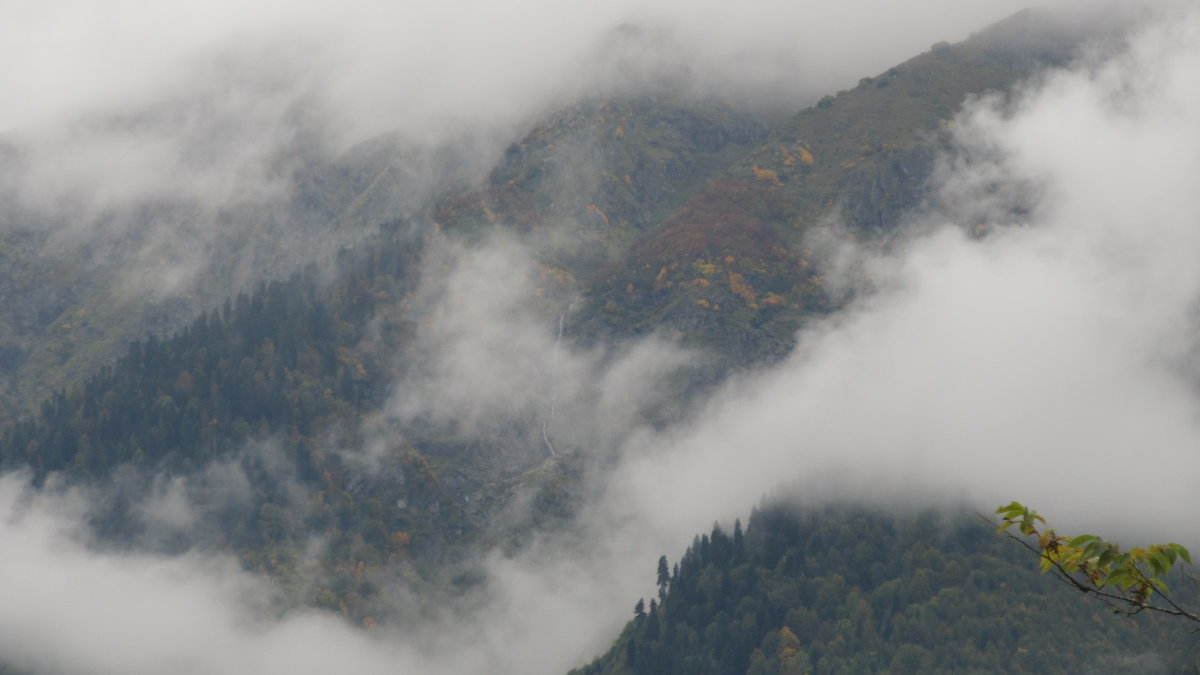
{"x": 495, "y": 360}
{"x": 409, "y": 66}
{"x": 68, "y": 609}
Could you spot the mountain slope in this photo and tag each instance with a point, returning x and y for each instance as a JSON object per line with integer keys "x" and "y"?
{"x": 733, "y": 268}
{"x": 79, "y": 284}
{"x": 596, "y": 175}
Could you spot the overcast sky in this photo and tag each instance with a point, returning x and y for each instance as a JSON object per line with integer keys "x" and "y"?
{"x": 361, "y": 67}
{"x": 384, "y": 64}
{"x": 1052, "y": 361}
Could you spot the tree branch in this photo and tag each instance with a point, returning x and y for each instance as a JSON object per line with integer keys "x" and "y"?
{"x": 1120, "y": 603}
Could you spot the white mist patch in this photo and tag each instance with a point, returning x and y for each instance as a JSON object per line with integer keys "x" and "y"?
{"x": 68, "y": 609}
{"x": 72, "y": 609}
{"x": 494, "y": 359}
{"x": 422, "y": 61}
{"x": 484, "y": 352}
{"x": 131, "y": 103}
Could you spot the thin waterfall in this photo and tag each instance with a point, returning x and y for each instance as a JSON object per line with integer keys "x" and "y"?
{"x": 549, "y": 419}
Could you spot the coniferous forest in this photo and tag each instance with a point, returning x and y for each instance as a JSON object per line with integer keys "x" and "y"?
{"x": 849, "y": 589}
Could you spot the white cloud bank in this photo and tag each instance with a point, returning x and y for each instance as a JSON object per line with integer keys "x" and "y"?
{"x": 493, "y": 360}
{"x": 393, "y": 64}
{"x": 130, "y": 101}
{"x": 69, "y": 610}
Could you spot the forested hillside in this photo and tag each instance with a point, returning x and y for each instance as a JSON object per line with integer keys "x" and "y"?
{"x": 269, "y": 389}
{"x": 78, "y": 292}
{"x": 738, "y": 266}
{"x": 854, "y": 590}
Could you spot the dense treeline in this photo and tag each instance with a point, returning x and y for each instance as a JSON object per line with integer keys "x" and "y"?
{"x": 843, "y": 590}
{"x": 285, "y": 359}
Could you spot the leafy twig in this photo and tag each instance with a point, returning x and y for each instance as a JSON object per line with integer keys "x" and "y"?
{"x": 1127, "y": 581}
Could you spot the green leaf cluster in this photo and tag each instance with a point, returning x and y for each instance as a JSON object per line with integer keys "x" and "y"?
{"x": 1131, "y": 580}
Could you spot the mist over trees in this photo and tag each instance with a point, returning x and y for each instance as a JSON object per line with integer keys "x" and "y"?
{"x": 408, "y": 349}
